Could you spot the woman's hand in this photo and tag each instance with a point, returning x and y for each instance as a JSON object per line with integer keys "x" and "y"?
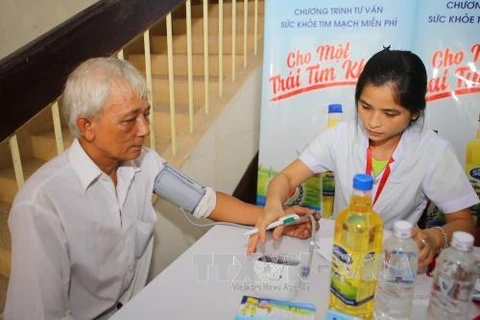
{"x": 270, "y": 215}
{"x": 301, "y": 230}
{"x": 277, "y": 193}
{"x": 427, "y": 248}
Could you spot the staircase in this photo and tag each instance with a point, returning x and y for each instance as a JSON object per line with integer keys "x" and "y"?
{"x": 36, "y": 138}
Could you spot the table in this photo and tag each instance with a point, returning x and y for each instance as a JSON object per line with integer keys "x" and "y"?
{"x": 209, "y": 279}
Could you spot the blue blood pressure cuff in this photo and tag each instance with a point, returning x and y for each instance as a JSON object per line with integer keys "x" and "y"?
{"x": 180, "y": 190}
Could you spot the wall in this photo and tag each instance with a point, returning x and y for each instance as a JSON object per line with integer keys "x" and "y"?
{"x": 219, "y": 161}
{"x": 21, "y": 21}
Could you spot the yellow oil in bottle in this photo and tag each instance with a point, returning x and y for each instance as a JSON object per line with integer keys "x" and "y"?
{"x": 472, "y": 168}
{"x": 356, "y": 253}
{"x": 335, "y": 116}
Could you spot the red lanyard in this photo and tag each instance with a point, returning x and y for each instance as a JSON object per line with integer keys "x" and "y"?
{"x": 385, "y": 175}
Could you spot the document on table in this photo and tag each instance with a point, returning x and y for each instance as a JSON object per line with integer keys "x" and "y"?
{"x": 265, "y": 309}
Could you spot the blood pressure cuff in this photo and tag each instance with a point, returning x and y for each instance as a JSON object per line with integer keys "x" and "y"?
{"x": 184, "y": 192}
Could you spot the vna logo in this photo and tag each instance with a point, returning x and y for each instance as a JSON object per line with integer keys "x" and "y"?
{"x": 342, "y": 254}
{"x": 475, "y": 172}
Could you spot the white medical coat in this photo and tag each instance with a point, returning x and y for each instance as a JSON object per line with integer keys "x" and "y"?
{"x": 425, "y": 167}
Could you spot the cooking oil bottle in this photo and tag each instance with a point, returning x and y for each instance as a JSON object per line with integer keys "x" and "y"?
{"x": 472, "y": 168}
{"x": 335, "y": 115}
{"x": 357, "y": 246}
{"x": 432, "y": 215}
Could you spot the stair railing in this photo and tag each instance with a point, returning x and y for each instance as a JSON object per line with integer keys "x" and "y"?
{"x": 33, "y": 76}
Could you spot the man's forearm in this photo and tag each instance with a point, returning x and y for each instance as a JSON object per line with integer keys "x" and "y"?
{"x": 231, "y": 209}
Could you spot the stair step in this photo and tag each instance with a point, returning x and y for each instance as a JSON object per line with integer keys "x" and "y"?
{"x": 179, "y": 26}
{"x": 163, "y": 124}
{"x": 161, "y": 93}
{"x": 5, "y": 260}
{"x": 8, "y": 182}
{"x": 5, "y": 242}
{"x": 213, "y": 9}
{"x": 159, "y": 44}
{"x": 160, "y": 64}
{"x": 44, "y": 146}
{"x": 179, "y": 108}
{"x": 162, "y": 143}
{"x": 185, "y": 140}
{"x": 3, "y": 294}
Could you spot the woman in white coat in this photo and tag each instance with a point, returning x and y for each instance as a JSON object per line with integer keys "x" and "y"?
{"x": 410, "y": 163}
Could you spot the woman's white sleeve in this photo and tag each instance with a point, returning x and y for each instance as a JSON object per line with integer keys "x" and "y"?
{"x": 447, "y": 185}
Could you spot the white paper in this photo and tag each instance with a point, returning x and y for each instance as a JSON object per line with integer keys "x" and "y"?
{"x": 324, "y": 248}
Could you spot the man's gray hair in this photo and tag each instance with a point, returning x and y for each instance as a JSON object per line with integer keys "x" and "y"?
{"x": 88, "y": 87}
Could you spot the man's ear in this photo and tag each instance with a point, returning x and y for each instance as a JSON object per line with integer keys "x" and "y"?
{"x": 85, "y": 126}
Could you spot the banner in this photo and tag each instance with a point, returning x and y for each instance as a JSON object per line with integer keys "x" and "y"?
{"x": 448, "y": 42}
{"x": 314, "y": 53}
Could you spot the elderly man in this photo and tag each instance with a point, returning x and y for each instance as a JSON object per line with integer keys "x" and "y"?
{"x": 82, "y": 225}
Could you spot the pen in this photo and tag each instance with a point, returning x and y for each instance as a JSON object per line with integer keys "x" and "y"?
{"x": 286, "y": 220}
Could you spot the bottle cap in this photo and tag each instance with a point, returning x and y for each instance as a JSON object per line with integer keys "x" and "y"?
{"x": 363, "y": 182}
{"x": 402, "y": 229}
{"x": 335, "y": 108}
{"x": 462, "y": 241}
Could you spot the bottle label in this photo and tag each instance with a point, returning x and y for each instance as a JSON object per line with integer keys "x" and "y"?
{"x": 308, "y": 194}
{"x": 476, "y": 291}
{"x": 399, "y": 267}
{"x": 473, "y": 173}
{"x": 353, "y": 276}
{"x": 435, "y": 216}
{"x": 328, "y": 184}
{"x": 450, "y": 292}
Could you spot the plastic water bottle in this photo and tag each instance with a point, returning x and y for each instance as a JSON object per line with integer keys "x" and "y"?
{"x": 454, "y": 280}
{"x": 396, "y": 279}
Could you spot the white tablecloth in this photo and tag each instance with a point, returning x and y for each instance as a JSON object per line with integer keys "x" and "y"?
{"x": 210, "y": 278}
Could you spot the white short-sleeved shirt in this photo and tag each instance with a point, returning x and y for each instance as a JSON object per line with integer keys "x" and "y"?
{"x": 425, "y": 167}
{"x": 79, "y": 243}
